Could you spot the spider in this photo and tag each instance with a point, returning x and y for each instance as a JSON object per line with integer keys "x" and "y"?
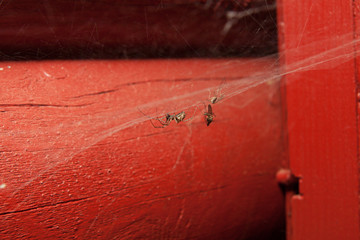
{"x": 168, "y": 118}
{"x": 209, "y": 115}
{"x": 217, "y": 96}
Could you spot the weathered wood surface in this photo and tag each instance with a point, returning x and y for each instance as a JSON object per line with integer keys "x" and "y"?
{"x": 78, "y": 159}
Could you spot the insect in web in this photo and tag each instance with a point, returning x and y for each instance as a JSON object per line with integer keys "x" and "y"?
{"x": 167, "y": 119}
{"x": 209, "y": 115}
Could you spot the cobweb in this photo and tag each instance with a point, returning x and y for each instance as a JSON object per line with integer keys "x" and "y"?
{"x": 49, "y": 130}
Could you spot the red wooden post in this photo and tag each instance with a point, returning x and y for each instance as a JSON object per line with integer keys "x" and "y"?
{"x": 80, "y": 160}
{"x": 317, "y": 47}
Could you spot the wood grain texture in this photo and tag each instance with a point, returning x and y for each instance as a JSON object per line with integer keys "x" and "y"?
{"x": 318, "y": 52}
{"x": 79, "y": 160}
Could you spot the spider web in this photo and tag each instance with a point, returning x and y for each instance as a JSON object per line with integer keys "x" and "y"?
{"x": 62, "y": 136}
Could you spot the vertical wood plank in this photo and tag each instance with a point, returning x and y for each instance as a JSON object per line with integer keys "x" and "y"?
{"x": 317, "y": 49}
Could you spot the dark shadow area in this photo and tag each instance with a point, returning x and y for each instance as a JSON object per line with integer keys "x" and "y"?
{"x": 141, "y": 29}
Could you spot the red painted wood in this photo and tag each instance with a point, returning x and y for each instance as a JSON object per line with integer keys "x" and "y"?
{"x": 153, "y": 28}
{"x": 80, "y": 161}
{"x": 317, "y": 48}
